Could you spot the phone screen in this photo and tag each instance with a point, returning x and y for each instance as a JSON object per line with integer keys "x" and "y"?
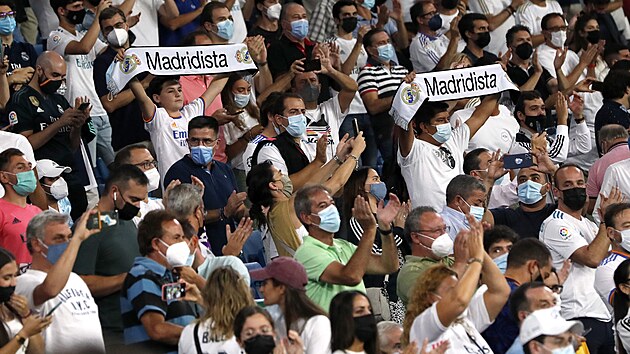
{"x": 355, "y": 126}
{"x": 101, "y": 220}
{"x": 312, "y": 65}
{"x": 54, "y": 308}
{"x": 173, "y": 291}
{"x": 517, "y": 161}
{"x": 84, "y": 106}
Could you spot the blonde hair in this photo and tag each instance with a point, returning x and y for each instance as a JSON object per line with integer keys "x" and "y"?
{"x": 427, "y": 284}
{"x": 457, "y": 61}
{"x": 224, "y": 295}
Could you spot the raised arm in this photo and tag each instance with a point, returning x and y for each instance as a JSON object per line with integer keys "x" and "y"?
{"x": 351, "y": 61}
{"x": 482, "y": 113}
{"x": 173, "y": 23}
{"x": 348, "y": 86}
{"x": 86, "y": 43}
{"x": 498, "y": 289}
{"x": 451, "y": 50}
{"x": 147, "y": 107}
{"x": 214, "y": 89}
{"x": 405, "y": 139}
{"x": 258, "y": 51}
{"x": 387, "y": 262}
{"x": 341, "y": 175}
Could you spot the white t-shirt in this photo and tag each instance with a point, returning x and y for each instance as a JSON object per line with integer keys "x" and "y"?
{"x": 79, "y": 74}
{"x": 13, "y": 327}
{"x": 427, "y": 169}
{"x": 426, "y": 51}
{"x": 331, "y": 113}
{"x": 616, "y": 176}
{"x": 530, "y": 15}
{"x": 593, "y": 101}
{"x": 492, "y": 8}
{"x": 345, "y": 48}
{"x": 146, "y": 29}
{"x": 249, "y": 151}
{"x": 232, "y": 133}
{"x": 563, "y": 235}
{"x": 240, "y": 30}
{"x": 460, "y": 333}
{"x": 169, "y": 134}
{"x": 623, "y": 330}
{"x": 499, "y": 132}
{"x": 604, "y": 282}
{"x": 146, "y": 207}
{"x": 76, "y": 327}
{"x": 315, "y": 332}
{"x": 547, "y": 54}
{"x": 208, "y": 344}
{"x": 17, "y": 141}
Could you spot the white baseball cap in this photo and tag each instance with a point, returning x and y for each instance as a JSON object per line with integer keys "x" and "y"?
{"x": 50, "y": 169}
{"x": 547, "y": 322}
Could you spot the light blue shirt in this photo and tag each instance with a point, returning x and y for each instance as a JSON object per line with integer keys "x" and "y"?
{"x": 455, "y": 219}
{"x": 516, "y": 348}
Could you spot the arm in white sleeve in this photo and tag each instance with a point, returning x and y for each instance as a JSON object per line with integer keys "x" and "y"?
{"x": 580, "y": 140}
{"x": 559, "y": 148}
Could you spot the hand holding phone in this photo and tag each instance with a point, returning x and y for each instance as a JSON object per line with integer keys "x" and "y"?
{"x": 54, "y": 308}
{"x": 173, "y": 291}
{"x": 83, "y": 106}
{"x": 517, "y": 161}
{"x": 100, "y": 220}
{"x": 355, "y": 126}
{"x": 312, "y": 65}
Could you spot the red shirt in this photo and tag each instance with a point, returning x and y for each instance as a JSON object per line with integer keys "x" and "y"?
{"x": 13, "y": 222}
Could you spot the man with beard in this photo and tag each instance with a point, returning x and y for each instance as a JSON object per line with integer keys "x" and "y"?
{"x": 569, "y": 235}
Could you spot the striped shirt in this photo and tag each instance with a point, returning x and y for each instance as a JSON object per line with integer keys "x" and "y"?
{"x": 426, "y": 51}
{"x": 375, "y": 77}
{"x": 142, "y": 293}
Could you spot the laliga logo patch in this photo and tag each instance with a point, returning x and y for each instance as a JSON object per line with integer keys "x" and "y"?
{"x": 13, "y": 119}
{"x": 564, "y": 233}
{"x": 129, "y": 63}
{"x": 410, "y": 95}
{"x": 242, "y": 56}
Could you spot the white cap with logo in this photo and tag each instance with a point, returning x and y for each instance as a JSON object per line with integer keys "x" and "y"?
{"x": 547, "y": 322}
{"x": 50, "y": 169}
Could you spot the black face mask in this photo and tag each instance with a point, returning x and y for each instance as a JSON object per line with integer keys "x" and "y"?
{"x": 49, "y": 86}
{"x": 365, "y": 327}
{"x": 6, "y": 292}
{"x": 449, "y": 4}
{"x": 349, "y": 24}
{"x": 128, "y": 211}
{"x": 593, "y": 36}
{"x": 531, "y": 121}
{"x": 75, "y": 17}
{"x": 260, "y": 344}
{"x": 574, "y": 198}
{"x": 524, "y": 51}
{"x": 483, "y": 39}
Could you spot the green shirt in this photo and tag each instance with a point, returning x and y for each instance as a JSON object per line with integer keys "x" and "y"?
{"x": 412, "y": 269}
{"x": 316, "y": 256}
{"x": 109, "y": 252}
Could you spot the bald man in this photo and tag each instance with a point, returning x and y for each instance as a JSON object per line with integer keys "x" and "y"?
{"x": 51, "y": 125}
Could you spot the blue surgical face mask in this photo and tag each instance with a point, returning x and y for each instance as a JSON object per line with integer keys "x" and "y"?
{"x": 378, "y": 190}
{"x": 241, "y": 100}
{"x": 297, "y": 125}
{"x": 443, "y": 133}
{"x": 88, "y": 20}
{"x": 299, "y": 29}
{"x": 329, "y": 219}
{"x": 476, "y": 211}
{"x": 7, "y": 25}
{"x": 225, "y": 29}
{"x": 501, "y": 262}
{"x": 26, "y": 183}
{"x": 386, "y": 52}
{"x": 368, "y": 4}
{"x": 529, "y": 192}
{"x": 54, "y": 251}
{"x": 201, "y": 155}
{"x": 435, "y": 23}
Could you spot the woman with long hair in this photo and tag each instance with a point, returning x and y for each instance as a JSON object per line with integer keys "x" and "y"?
{"x": 255, "y": 332}
{"x": 20, "y": 331}
{"x": 586, "y": 33}
{"x": 367, "y": 183}
{"x": 224, "y": 295}
{"x": 268, "y": 188}
{"x": 621, "y": 302}
{"x": 237, "y": 100}
{"x": 284, "y": 281}
{"x": 353, "y": 325}
{"x": 444, "y": 306}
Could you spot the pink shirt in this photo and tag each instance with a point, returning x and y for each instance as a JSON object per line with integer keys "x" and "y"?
{"x": 13, "y": 222}
{"x": 598, "y": 170}
{"x": 193, "y": 87}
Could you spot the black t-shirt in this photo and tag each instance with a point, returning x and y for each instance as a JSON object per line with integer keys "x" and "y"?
{"x": 487, "y": 56}
{"x": 21, "y": 55}
{"x": 126, "y": 122}
{"x": 270, "y": 37}
{"x": 525, "y": 224}
{"x": 519, "y": 76}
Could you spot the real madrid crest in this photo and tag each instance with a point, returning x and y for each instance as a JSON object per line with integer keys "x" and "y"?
{"x": 242, "y": 56}
{"x": 129, "y": 63}
{"x": 60, "y": 109}
{"x": 410, "y": 94}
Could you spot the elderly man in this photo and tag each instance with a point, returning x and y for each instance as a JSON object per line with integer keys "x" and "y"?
{"x": 389, "y": 334}
{"x": 464, "y": 195}
{"x": 544, "y": 331}
{"x": 50, "y": 284}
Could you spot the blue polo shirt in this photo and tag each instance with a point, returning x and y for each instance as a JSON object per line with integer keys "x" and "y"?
{"x": 174, "y": 38}
{"x": 502, "y": 332}
{"x": 142, "y": 293}
{"x": 219, "y": 183}
{"x": 611, "y": 112}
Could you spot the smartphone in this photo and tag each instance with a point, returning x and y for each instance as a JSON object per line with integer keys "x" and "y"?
{"x": 355, "y": 126}
{"x": 173, "y": 291}
{"x": 312, "y": 65}
{"x": 597, "y": 86}
{"x": 83, "y": 106}
{"x": 54, "y": 308}
{"x": 237, "y": 112}
{"x": 517, "y": 161}
{"x": 101, "y": 220}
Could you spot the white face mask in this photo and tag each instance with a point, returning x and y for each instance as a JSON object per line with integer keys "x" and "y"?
{"x": 442, "y": 246}
{"x": 118, "y": 37}
{"x": 625, "y": 239}
{"x": 558, "y": 38}
{"x": 177, "y": 254}
{"x": 154, "y": 179}
{"x": 59, "y": 189}
{"x": 273, "y": 12}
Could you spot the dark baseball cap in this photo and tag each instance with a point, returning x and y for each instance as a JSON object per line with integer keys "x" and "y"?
{"x": 286, "y": 270}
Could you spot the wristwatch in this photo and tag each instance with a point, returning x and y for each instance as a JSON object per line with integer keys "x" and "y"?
{"x": 21, "y": 340}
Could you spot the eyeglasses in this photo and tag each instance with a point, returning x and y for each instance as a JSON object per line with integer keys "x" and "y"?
{"x": 204, "y": 142}
{"x": 556, "y": 29}
{"x": 5, "y": 14}
{"x": 446, "y": 229}
{"x": 432, "y": 13}
{"x": 557, "y": 288}
{"x": 147, "y": 165}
